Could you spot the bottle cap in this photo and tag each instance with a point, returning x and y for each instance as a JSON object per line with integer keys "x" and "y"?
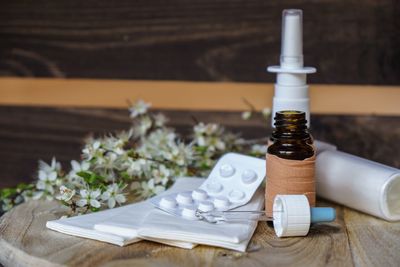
{"x": 291, "y": 215}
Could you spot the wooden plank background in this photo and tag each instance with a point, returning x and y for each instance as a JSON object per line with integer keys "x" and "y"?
{"x": 349, "y": 41}
{"x": 31, "y": 133}
{"x": 325, "y": 99}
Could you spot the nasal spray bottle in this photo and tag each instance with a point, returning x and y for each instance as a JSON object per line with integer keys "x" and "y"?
{"x": 291, "y": 90}
{"x": 291, "y": 156}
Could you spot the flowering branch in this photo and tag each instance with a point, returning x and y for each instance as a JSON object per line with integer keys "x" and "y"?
{"x": 140, "y": 162}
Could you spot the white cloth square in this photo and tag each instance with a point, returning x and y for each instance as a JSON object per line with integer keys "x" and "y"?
{"x": 160, "y": 225}
{"x": 132, "y": 215}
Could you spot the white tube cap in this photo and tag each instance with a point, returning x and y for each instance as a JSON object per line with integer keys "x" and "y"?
{"x": 292, "y": 216}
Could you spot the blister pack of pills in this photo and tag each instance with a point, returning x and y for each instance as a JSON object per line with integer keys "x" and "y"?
{"x": 231, "y": 183}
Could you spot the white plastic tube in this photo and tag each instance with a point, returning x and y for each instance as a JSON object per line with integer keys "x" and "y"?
{"x": 359, "y": 183}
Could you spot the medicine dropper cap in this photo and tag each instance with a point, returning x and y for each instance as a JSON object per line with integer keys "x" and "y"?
{"x": 292, "y": 215}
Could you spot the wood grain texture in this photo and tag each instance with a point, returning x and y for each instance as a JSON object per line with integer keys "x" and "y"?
{"x": 24, "y": 240}
{"x": 221, "y": 96}
{"x": 31, "y": 133}
{"x": 349, "y": 42}
{"x": 373, "y": 242}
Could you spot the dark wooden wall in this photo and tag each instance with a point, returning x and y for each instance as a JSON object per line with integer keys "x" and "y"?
{"x": 28, "y": 134}
{"x": 350, "y": 42}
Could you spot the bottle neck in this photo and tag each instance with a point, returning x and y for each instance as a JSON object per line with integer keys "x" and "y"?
{"x": 290, "y": 125}
{"x": 291, "y": 139}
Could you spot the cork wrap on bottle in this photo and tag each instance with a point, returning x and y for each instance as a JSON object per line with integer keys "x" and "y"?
{"x": 289, "y": 177}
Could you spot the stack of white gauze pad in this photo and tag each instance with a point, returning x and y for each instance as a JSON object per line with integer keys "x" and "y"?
{"x": 160, "y": 225}
{"x": 84, "y": 225}
{"x": 234, "y": 181}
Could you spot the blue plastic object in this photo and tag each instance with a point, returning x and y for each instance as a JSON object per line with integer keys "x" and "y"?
{"x": 322, "y": 214}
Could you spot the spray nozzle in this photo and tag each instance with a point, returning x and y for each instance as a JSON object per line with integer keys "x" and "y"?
{"x": 292, "y": 38}
{"x": 291, "y": 90}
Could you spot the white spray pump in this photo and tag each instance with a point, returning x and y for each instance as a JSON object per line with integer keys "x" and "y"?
{"x": 291, "y": 89}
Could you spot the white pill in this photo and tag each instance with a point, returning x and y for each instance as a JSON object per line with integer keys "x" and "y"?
{"x": 249, "y": 176}
{"x": 168, "y": 202}
{"x": 189, "y": 212}
{"x": 214, "y": 187}
{"x": 236, "y": 195}
{"x": 206, "y": 206}
{"x": 199, "y": 194}
{"x": 226, "y": 170}
{"x": 221, "y": 202}
{"x": 184, "y": 198}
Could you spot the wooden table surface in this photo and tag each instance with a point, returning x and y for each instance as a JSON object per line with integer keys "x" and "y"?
{"x": 26, "y": 134}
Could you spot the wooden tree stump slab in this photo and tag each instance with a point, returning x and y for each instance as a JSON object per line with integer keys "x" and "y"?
{"x": 354, "y": 239}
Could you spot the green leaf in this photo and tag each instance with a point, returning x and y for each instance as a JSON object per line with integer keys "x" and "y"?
{"x": 93, "y": 209}
{"x": 8, "y": 192}
{"x": 201, "y": 149}
{"x": 125, "y": 176}
{"x": 84, "y": 175}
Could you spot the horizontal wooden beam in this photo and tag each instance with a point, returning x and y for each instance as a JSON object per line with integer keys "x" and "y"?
{"x": 325, "y": 99}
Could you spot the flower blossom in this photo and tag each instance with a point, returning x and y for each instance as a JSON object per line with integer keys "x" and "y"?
{"x": 139, "y": 108}
{"x": 89, "y": 198}
{"x": 46, "y": 181}
{"x": 66, "y": 194}
{"x": 113, "y": 195}
{"x": 54, "y": 166}
{"x": 246, "y": 115}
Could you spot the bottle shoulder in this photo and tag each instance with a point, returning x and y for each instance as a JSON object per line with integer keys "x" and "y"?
{"x": 292, "y": 149}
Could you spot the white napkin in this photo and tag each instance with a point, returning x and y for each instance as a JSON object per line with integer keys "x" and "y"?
{"x": 83, "y": 226}
{"x": 160, "y": 225}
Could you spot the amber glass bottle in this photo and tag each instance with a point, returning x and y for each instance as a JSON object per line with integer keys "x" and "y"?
{"x": 290, "y": 159}
{"x": 291, "y": 139}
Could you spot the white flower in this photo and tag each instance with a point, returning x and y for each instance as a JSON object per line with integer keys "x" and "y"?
{"x": 180, "y": 154}
{"x": 109, "y": 161}
{"x": 160, "y": 120}
{"x": 259, "y": 149}
{"x": 199, "y": 129}
{"x": 210, "y": 136}
{"x": 125, "y": 136}
{"x": 53, "y": 167}
{"x": 66, "y": 194}
{"x": 246, "y": 115}
{"x": 78, "y": 167}
{"x": 139, "y": 108}
{"x": 266, "y": 112}
{"x": 207, "y": 129}
{"x": 89, "y": 198}
{"x": 92, "y": 150}
{"x": 145, "y": 124}
{"x": 161, "y": 174}
{"x": 142, "y": 125}
{"x": 46, "y": 181}
{"x": 136, "y": 167}
{"x": 150, "y": 188}
{"x": 113, "y": 195}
